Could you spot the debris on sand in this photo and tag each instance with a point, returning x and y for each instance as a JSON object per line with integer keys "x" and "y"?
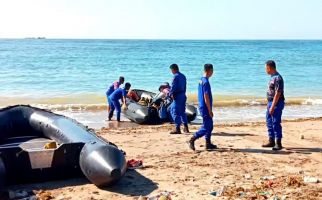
{"x": 295, "y": 181}
{"x": 161, "y": 196}
{"x": 308, "y": 179}
{"x": 219, "y": 192}
{"x": 134, "y": 164}
{"x": 265, "y": 189}
{"x": 268, "y": 177}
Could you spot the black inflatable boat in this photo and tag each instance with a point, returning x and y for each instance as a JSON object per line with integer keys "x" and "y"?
{"x": 143, "y": 113}
{"x": 38, "y": 145}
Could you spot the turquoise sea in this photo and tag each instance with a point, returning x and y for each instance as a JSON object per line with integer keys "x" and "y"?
{"x": 72, "y": 75}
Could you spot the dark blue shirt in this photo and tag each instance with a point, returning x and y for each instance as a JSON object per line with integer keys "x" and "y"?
{"x": 118, "y": 94}
{"x": 275, "y": 84}
{"x": 178, "y": 87}
{"x": 204, "y": 88}
{"x": 112, "y": 87}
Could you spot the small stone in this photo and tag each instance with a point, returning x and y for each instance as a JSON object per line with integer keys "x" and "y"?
{"x": 142, "y": 198}
{"x": 247, "y": 176}
{"x": 284, "y": 197}
{"x": 268, "y": 177}
{"x": 162, "y": 197}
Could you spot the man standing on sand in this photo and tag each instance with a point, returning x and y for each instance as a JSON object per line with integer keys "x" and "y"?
{"x": 115, "y": 85}
{"x": 178, "y": 94}
{"x": 275, "y": 106}
{"x": 205, "y": 109}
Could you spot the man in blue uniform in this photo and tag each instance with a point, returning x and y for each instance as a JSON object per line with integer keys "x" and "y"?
{"x": 115, "y": 85}
{"x": 275, "y": 106}
{"x": 115, "y": 97}
{"x": 178, "y": 94}
{"x": 205, "y": 108}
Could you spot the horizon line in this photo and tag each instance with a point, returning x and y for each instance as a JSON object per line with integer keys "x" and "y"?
{"x": 191, "y": 39}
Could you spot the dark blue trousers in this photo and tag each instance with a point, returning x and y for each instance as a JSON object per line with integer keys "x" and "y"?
{"x": 109, "y": 101}
{"x": 178, "y": 111}
{"x": 206, "y": 128}
{"x": 115, "y": 105}
{"x": 273, "y": 122}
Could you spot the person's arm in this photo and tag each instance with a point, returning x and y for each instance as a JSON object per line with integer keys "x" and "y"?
{"x": 208, "y": 104}
{"x": 124, "y": 106}
{"x": 206, "y": 91}
{"x": 275, "y": 100}
{"x": 279, "y": 86}
{"x": 124, "y": 99}
{"x": 174, "y": 87}
{"x": 137, "y": 98}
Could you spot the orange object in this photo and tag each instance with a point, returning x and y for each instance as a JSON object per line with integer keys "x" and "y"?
{"x": 132, "y": 95}
{"x": 134, "y": 164}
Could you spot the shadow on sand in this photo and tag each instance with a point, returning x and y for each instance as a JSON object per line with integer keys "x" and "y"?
{"x": 225, "y": 134}
{"x": 50, "y": 185}
{"x": 264, "y": 151}
{"x": 249, "y": 150}
{"x": 284, "y": 151}
{"x": 134, "y": 184}
{"x": 304, "y": 150}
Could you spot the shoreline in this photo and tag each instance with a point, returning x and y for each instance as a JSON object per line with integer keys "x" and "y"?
{"x": 260, "y": 123}
{"x": 128, "y": 124}
{"x": 96, "y": 102}
{"x": 223, "y": 116}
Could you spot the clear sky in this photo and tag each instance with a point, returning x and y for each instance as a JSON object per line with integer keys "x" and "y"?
{"x": 162, "y": 19}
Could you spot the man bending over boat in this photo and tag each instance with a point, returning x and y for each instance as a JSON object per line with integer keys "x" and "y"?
{"x": 114, "y": 98}
{"x": 115, "y": 85}
{"x": 133, "y": 96}
{"x": 164, "y": 90}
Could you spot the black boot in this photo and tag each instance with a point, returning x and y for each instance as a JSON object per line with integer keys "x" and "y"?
{"x": 110, "y": 115}
{"x": 176, "y": 131}
{"x": 270, "y": 143}
{"x": 278, "y": 145}
{"x": 210, "y": 146}
{"x": 186, "y": 128}
{"x": 191, "y": 143}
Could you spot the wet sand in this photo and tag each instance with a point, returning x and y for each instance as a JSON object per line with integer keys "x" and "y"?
{"x": 238, "y": 164}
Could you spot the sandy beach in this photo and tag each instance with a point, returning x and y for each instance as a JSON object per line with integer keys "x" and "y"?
{"x": 240, "y": 166}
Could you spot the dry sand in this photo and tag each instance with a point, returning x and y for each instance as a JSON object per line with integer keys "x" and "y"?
{"x": 238, "y": 165}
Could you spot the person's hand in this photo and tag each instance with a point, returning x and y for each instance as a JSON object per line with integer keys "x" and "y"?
{"x": 211, "y": 114}
{"x": 124, "y": 107}
{"x": 271, "y": 110}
